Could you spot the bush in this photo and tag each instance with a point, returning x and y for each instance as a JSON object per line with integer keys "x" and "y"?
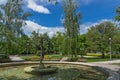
{"x": 4, "y": 58}
{"x": 117, "y": 56}
{"x": 46, "y": 57}
{"x": 94, "y": 54}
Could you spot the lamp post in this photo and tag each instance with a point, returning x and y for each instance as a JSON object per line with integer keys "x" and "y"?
{"x": 110, "y": 48}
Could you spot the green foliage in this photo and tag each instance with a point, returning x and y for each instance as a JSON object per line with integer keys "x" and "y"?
{"x": 98, "y": 55}
{"x": 71, "y": 25}
{"x": 94, "y": 54}
{"x": 82, "y": 45}
{"x": 52, "y": 57}
{"x": 97, "y": 59}
{"x": 12, "y": 19}
{"x": 118, "y": 12}
{"x": 98, "y": 37}
{"x": 4, "y": 58}
{"x": 114, "y": 56}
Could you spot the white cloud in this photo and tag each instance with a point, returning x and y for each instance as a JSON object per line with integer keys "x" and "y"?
{"x": 32, "y": 26}
{"x": 52, "y": 1}
{"x": 32, "y": 4}
{"x": 84, "y": 27}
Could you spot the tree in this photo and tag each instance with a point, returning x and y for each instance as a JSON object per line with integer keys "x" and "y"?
{"x": 71, "y": 25}
{"x": 82, "y": 45}
{"x": 118, "y": 12}
{"x": 12, "y": 19}
{"x": 99, "y": 35}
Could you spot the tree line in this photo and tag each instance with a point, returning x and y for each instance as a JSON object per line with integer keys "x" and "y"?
{"x": 71, "y": 42}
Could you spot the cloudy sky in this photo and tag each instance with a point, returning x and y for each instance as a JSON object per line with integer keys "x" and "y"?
{"x": 48, "y": 17}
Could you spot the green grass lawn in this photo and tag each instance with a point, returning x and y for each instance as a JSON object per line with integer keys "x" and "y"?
{"x": 97, "y": 59}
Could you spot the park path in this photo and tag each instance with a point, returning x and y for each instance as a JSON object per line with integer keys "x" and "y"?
{"x": 108, "y": 64}
{"x": 110, "y": 67}
{"x": 16, "y": 58}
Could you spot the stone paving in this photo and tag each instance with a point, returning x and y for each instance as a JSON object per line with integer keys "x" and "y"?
{"x": 110, "y": 67}
{"x": 16, "y": 58}
{"x": 108, "y": 64}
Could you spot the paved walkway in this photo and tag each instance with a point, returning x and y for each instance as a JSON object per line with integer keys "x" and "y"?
{"x": 64, "y": 59}
{"x": 111, "y": 68}
{"x": 16, "y": 58}
{"x": 108, "y": 64}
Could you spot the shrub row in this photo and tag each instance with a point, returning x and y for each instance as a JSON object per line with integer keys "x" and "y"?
{"x": 37, "y": 58}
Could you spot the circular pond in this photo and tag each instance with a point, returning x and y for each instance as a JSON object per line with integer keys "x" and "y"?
{"x": 64, "y": 72}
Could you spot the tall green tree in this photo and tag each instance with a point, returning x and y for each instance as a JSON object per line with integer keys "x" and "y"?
{"x": 13, "y": 18}
{"x": 71, "y": 25}
{"x": 98, "y": 36}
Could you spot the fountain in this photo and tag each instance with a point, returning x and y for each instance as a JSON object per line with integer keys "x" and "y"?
{"x": 64, "y": 72}
{"x": 41, "y": 69}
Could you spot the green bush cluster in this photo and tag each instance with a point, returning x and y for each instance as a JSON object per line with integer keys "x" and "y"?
{"x": 4, "y": 58}
{"x": 117, "y": 56}
{"x": 94, "y": 54}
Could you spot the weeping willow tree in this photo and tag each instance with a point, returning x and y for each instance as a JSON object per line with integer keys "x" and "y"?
{"x": 72, "y": 28}
{"x": 12, "y": 19}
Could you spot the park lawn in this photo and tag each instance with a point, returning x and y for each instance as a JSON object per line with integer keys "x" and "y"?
{"x": 97, "y": 59}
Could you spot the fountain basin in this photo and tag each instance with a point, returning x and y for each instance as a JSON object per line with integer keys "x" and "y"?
{"x": 65, "y": 71}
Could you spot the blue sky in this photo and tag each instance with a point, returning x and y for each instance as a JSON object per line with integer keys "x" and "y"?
{"x": 48, "y": 17}
{"x": 91, "y": 11}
